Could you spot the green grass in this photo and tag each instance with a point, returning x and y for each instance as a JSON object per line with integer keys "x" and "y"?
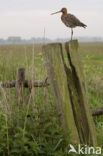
{"x": 13, "y": 114}
{"x": 92, "y": 58}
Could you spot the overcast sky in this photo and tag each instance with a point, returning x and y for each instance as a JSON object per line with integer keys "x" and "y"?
{"x": 28, "y": 18}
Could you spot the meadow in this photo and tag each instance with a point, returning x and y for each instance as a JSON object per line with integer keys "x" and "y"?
{"x": 25, "y": 129}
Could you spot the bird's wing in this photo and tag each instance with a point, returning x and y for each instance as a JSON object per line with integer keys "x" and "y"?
{"x": 72, "y": 20}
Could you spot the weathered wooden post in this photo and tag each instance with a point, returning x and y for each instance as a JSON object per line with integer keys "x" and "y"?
{"x": 58, "y": 82}
{"x": 78, "y": 92}
{"x": 20, "y": 84}
{"x": 69, "y": 89}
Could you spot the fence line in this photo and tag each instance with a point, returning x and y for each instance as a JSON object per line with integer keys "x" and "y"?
{"x": 21, "y": 80}
{"x": 39, "y": 84}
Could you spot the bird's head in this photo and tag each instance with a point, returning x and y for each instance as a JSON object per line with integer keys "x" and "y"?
{"x": 63, "y": 10}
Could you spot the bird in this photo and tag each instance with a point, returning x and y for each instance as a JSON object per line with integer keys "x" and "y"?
{"x": 70, "y": 20}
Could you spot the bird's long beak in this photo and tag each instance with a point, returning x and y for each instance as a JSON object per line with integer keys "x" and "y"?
{"x": 56, "y": 12}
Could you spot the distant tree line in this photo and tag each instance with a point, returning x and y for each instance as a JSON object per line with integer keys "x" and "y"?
{"x": 19, "y": 40}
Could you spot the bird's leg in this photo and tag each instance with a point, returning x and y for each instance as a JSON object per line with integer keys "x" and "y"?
{"x": 71, "y": 33}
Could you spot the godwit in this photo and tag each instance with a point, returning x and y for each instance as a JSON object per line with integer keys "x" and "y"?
{"x": 70, "y": 20}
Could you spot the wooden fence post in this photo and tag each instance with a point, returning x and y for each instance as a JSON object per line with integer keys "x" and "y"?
{"x": 69, "y": 90}
{"x": 79, "y": 99}
{"x": 58, "y": 82}
{"x": 20, "y": 84}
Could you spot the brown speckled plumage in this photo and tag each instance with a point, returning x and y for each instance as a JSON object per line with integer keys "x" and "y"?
{"x": 70, "y": 20}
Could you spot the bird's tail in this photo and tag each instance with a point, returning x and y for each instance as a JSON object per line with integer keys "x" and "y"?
{"x": 83, "y": 25}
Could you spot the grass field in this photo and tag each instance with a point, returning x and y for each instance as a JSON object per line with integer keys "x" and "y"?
{"x": 13, "y": 116}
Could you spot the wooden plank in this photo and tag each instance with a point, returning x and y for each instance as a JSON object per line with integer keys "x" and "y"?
{"x": 97, "y": 112}
{"x": 78, "y": 95}
{"x": 58, "y": 81}
{"x": 26, "y": 84}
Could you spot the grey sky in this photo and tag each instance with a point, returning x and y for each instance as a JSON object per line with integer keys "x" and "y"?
{"x": 28, "y": 18}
